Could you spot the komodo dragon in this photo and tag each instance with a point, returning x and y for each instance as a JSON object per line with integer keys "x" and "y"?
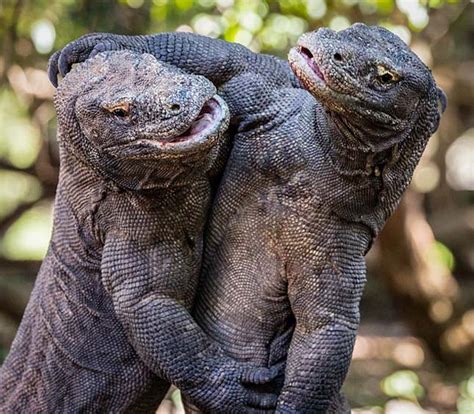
{"x": 309, "y": 184}
{"x": 109, "y": 311}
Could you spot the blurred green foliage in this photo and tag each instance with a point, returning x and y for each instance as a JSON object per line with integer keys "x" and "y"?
{"x": 440, "y": 253}
{"x": 28, "y": 237}
{"x": 263, "y": 25}
{"x": 31, "y": 30}
{"x": 405, "y": 384}
{"x": 14, "y": 124}
{"x": 466, "y": 401}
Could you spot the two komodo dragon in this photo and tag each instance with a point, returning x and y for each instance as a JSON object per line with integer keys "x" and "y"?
{"x": 309, "y": 181}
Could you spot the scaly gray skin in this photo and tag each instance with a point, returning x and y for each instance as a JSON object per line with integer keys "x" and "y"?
{"x": 217, "y": 60}
{"x": 308, "y": 185}
{"x": 109, "y": 311}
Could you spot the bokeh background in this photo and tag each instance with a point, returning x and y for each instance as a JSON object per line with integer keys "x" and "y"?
{"x": 414, "y": 353}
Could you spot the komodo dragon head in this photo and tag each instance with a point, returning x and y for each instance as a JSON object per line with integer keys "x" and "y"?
{"x": 373, "y": 86}
{"x": 139, "y": 122}
{"x": 384, "y": 104}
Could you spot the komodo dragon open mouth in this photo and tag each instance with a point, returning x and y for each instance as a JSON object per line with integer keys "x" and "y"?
{"x": 307, "y": 69}
{"x": 206, "y": 122}
{"x": 203, "y": 133}
{"x": 311, "y": 62}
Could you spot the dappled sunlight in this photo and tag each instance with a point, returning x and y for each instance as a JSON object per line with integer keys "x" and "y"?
{"x": 30, "y": 82}
{"x": 28, "y": 237}
{"x": 441, "y": 310}
{"x": 460, "y": 336}
{"x": 20, "y": 141}
{"x": 406, "y": 351}
{"x": 398, "y": 368}
{"x": 405, "y": 407}
{"x": 43, "y": 35}
{"x": 17, "y": 188}
{"x": 460, "y": 162}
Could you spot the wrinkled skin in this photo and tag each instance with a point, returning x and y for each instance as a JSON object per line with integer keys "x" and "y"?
{"x": 108, "y": 324}
{"x": 308, "y": 185}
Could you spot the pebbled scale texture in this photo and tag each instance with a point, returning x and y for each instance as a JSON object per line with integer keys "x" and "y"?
{"x": 320, "y": 158}
{"x": 108, "y": 324}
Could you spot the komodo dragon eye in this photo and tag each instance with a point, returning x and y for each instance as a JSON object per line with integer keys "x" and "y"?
{"x": 120, "y": 110}
{"x": 386, "y": 76}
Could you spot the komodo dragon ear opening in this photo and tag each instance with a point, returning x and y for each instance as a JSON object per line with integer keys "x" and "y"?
{"x": 442, "y": 100}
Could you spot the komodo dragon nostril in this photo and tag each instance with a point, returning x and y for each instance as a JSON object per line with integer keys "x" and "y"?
{"x": 175, "y": 107}
{"x": 337, "y": 57}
